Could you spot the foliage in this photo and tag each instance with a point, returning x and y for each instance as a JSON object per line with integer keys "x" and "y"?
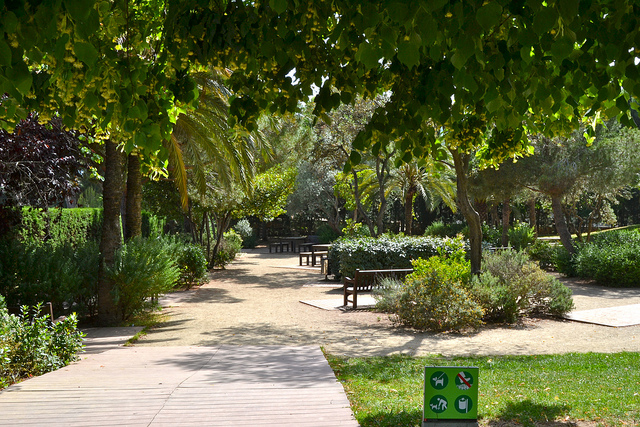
{"x": 521, "y": 235}
{"x": 30, "y": 345}
{"x": 326, "y": 234}
{"x": 244, "y": 229}
{"x": 388, "y": 391}
{"x": 152, "y": 225}
{"x": 268, "y": 198}
{"x": 229, "y": 248}
{"x": 491, "y": 235}
{"x": 435, "y": 297}
{"x": 354, "y": 229}
{"x": 59, "y": 226}
{"x": 61, "y": 274}
{"x": 565, "y": 262}
{"x": 512, "y": 286}
{"x": 143, "y": 269}
{"x": 387, "y": 251}
{"x": 40, "y": 165}
{"x": 544, "y": 253}
{"x": 192, "y": 264}
{"x": 612, "y": 259}
{"x": 439, "y": 229}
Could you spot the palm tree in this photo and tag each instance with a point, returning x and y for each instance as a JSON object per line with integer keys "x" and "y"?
{"x": 424, "y": 178}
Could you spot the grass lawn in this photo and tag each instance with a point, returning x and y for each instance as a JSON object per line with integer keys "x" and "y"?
{"x": 603, "y": 388}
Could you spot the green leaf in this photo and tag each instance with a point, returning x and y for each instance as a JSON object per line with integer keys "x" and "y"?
{"x": 86, "y": 53}
{"x": 10, "y": 22}
{"x": 278, "y": 5}
{"x": 368, "y": 55}
{"x": 545, "y": 20}
{"x": 562, "y": 48}
{"x": 91, "y": 100}
{"x": 489, "y": 15}
{"x": 20, "y": 77}
{"x": 5, "y": 54}
{"x": 355, "y": 158}
{"x": 409, "y": 54}
{"x": 79, "y": 9}
{"x": 463, "y": 53}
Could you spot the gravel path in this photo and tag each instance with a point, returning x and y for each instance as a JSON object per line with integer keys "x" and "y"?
{"x": 255, "y": 301}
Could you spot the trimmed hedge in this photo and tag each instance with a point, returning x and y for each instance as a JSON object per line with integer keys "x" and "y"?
{"x": 60, "y": 226}
{"x": 368, "y": 253}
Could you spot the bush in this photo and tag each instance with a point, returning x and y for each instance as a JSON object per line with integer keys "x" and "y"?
{"x": 355, "y": 229}
{"x": 31, "y": 345}
{"x": 434, "y": 297}
{"x": 544, "y": 253}
{"x": 612, "y": 259}
{"x": 192, "y": 263}
{"x": 564, "y": 261}
{"x": 143, "y": 269}
{"x": 229, "y": 247}
{"x": 439, "y": 229}
{"x": 368, "y": 253}
{"x": 491, "y": 235}
{"x": 60, "y": 226}
{"x": 64, "y": 275}
{"x": 244, "y": 229}
{"x": 152, "y": 226}
{"x": 326, "y": 234}
{"x": 512, "y": 286}
{"x": 521, "y": 235}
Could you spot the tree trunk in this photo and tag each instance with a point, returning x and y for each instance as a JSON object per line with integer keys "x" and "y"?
{"x": 461, "y": 163}
{"x": 506, "y": 214}
{"x": 381, "y": 167}
{"x": 408, "y": 212}
{"x": 111, "y": 233}
{"x": 359, "y": 207}
{"x": 133, "y": 217}
{"x": 561, "y": 224}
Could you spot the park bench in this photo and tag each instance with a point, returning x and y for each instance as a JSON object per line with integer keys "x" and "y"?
{"x": 278, "y": 244}
{"x": 365, "y": 280}
{"x": 315, "y": 256}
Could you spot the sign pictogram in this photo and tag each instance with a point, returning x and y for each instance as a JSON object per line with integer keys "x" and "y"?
{"x": 450, "y": 395}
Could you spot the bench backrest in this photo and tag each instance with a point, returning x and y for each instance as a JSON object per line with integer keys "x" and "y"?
{"x": 366, "y": 279}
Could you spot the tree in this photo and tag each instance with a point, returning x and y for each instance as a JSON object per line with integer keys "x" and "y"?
{"x": 424, "y": 178}
{"x": 511, "y": 65}
{"x": 41, "y": 165}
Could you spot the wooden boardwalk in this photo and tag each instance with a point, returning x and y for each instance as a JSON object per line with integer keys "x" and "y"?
{"x": 172, "y": 386}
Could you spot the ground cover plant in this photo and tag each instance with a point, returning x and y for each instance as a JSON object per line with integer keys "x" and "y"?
{"x": 528, "y": 390}
{"x": 31, "y": 345}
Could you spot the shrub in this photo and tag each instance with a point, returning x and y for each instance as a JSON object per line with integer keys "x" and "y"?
{"x": 326, "y": 234}
{"x": 564, "y": 261}
{"x": 152, "y": 226}
{"x": 31, "y": 345}
{"x": 192, "y": 263}
{"x": 244, "y": 229}
{"x": 354, "y": 229}
{"x": 521, "y": 235}
{"x": 612, "y": 259}
{"x": 512, "y": 286}
{"x": 434, "y": 297}
{"x": 229, "y": 247}
{"x": 491, "y": 235}
{"x": 439, "y": 229}
{"x": 64, "y": 275}
{"x": 368, "y": 253}
{"x": 143, "y": 269}
{"x": 544, "y": 253}
{"x": 60, "y": 226}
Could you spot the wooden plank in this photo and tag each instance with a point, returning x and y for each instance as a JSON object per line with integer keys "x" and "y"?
{"x": 155, "y": 386}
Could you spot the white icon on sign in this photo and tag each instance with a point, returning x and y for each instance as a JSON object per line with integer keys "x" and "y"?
{"x": 463, "y": 405}
{"x": 463, "y": 383}
{"x": 440, "y": 406}
{"x": 438, "y": 381}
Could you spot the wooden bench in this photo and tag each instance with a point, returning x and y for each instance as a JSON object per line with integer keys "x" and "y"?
{"x": 313, "y": 255}
{"x": 278, "y": 244}
{"x": 365, "y": 280}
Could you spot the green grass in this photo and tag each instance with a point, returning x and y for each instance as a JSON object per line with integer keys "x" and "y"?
{"x": 604, "y": 388}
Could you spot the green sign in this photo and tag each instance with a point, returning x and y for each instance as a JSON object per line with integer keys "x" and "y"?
{"x": 450, "y": 393}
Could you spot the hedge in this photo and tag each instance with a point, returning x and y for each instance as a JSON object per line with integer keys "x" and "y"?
{"x": 60, "y": 226}
{"x": 368, "y": 253}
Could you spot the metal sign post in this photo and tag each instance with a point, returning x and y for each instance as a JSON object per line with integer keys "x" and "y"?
{"x": 450, "y": 396}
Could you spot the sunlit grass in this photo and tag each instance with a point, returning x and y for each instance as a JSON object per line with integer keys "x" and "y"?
{"x": 604, "y": 388}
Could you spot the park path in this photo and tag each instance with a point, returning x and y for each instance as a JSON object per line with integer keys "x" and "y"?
{"x": 242, "y": 350}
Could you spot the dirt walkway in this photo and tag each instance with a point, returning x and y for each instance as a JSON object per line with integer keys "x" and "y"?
{"x": 256, "y": 302}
